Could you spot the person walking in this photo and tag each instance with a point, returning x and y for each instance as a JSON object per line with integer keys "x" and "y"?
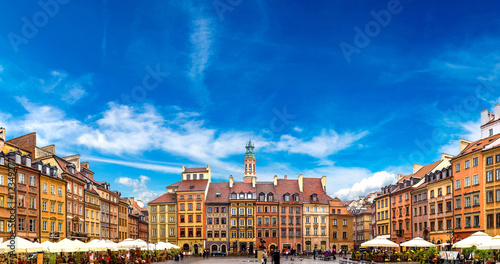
{"x": 286, "y": 253}
{"x": 264, "y": 257}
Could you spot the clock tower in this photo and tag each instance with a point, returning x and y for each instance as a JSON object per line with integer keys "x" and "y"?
{"x": 249, "y": 161}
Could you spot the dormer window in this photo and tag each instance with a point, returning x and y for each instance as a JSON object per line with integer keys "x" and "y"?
{"x": 195, "y": 176}
{"x": 2, "y": 160}
{"x": 18, "y": 158}
{"x": 249, "y": 196}
{"x": 233, "y": 196}
{"x": 314, "y": 197}
{"x": 296, "y": 197}
{"x": 242, "y": 196}
{"x": 47, "y": 170}
{"x": 39, "y": 167}
{"x": 188, "y": 176}
{"x": 201, "y": 176}
{"x": 270, "y": 197}
{"x": 262, "y": 197}
{"x": 54, "y": 172}
{"x": 217, "y": 195}
{"x": 28, "y": 162}
{"x": 287, "y": 197}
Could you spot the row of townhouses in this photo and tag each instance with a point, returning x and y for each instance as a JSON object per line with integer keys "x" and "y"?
{"x": 448, "y": 200}
{"x": 242, "y": 216}
{"x": 55, "y": 197}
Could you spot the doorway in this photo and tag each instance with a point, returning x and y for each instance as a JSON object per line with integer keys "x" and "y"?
{"x": 223, "y": 248}
{"x": 195, "y": 248}
{"x": 214, "y": 248}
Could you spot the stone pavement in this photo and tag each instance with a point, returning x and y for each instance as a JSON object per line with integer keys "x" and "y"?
{"x": 245, "y": 260}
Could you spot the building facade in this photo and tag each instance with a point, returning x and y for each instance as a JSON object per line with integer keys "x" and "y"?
{"x": 316, "y": 214}
{"x": 217, "y": 210}
{"x": 267, "y": 215}
{"x": 341, "y": 227}
{"x": 290, "y": 219}
{"x": 162, "y": 218}
{"x": 52, "y": 204}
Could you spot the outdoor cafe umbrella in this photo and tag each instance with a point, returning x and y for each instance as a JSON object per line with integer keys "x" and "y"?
{"x": 81, "y": 245}
{"x": 97, "y": 245}
{"x": 417, "y": 242}
{"x": 20, "y": 245}
{"x": 64, "y": 245}
{"x": 46, "y": 245}
{"x": 127, "y": 244}
{"x": 494, "y": 243}
{"x": 475, "y": 239}
{"x": 379, "y": 242}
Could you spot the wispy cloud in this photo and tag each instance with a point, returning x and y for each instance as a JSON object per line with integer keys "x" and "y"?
{"x": 201, "y": 38}
{"x": 366, "y": 185}
{"x": 139, "y": 187}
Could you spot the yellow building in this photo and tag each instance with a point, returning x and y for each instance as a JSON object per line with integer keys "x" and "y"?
{"x": 52, "y": 204}
{"x": 383, "y": 213}
{"x": 122, "y": 220}
{"x": 316, "y": 214}
{"x": 162, "y": 216}
{"x": 191, "y": 193}
{"x": 92, "y": 212}
{"x": 440, "y": 193}
{"x": 242, "y": 199}
{"x": 491, "y": 161}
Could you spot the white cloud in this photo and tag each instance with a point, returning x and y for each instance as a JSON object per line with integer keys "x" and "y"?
{"x": 298, "y": 129}
{"x": 468, "y": 130}
{"x": 70, "y": 89}
{"x": 139, "y": 188}
{"x": 366, "y": 185}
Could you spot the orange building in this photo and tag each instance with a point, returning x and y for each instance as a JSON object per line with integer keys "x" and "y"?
{"x": 341, "y": 226}
{"x": 468, "y": 176}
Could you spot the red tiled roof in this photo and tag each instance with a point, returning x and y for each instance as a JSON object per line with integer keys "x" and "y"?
{"x": 426, "y": 169}
{"x": 165, "y": 198}
{"x": 63, "y": 164}
{"x": 138, "y": 207}
{"x": 192, "y": 185}
{"x": 218, "y": 187}
{"x": 175, "y": 184}
{"x": 239, "y": 187}
{"x": 477, "y": 145}
{"x": 194, "y": 170}
{"x": 288, "y": 186}
{"x": 265, "y": 188}
{"x": 314, "y": 186}
{"x": 91, "y": 191}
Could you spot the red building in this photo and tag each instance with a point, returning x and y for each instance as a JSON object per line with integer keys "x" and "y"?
{"x": 267, "y": 215}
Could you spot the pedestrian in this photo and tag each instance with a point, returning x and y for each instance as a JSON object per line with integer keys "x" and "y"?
{"x": 264, "y": 257}
{"x": 286, "y": 253}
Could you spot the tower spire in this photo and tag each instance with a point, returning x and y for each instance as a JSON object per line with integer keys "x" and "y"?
{"x": 249, "y": 161}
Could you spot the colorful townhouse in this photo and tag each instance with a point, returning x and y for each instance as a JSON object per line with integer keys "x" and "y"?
{"x": 122, "y": 220}
{"x": 290, "y": 196}
{"x": 242, "y": 216}
{"x": 341, "y": 226}
{"x": 217, "y": 221}
{"x": 267, "y": 215}
{"x": 316, "y": 207}
{"x": 162, "y": 219}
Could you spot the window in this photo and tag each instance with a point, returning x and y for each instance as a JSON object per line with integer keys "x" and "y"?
{"x": 59, "y": 191}
{"x": 21, "y": 224}
{"x": 458, "y": 223}
{"x": 476, "y": 221}
{"x": 344, "y": 222}
{"x": 476, "y": 200}
{"x": 489, "y": 176}
{"x": 498, "y": 195}
{"x": 489, "y": 221}
{"x": 475, "y": 179}
{"x": 467, "y": 164}
{"x": 334, "y": 235}
{"x": 489, "y": 196}
{"x": 467, "y": 202}
{"x": 457, "y": 167}
{"x": 448, "y": 189}
{"x": 458, "y": 203}
{"x": 489, "y": 160}
{"x": 44, "y": 206}
{"x": 334, "y": 222}
{"x": 440, "y": 192}
{"x": 475, "y": 162}
{"x": 433, "y": 210}
{"x": 467, "y": 182}
{"x": 457, "y": 184}
{"x": 431, "y": 194}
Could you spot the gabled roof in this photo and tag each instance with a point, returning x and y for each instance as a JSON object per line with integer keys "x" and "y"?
{"x": 239, "y": 187}
{"x": 63, "y": 164}
{"x": 165, "y": 198}
{"x": 288, "y": 186}
{"x": 175, "y": 184}
{"x": 192, "y": 185}
{"x": 426, "y": 169}
{"x": 477, "y": 145}
{"x": 314, "y": 186}
{"x": 218, "y": 187}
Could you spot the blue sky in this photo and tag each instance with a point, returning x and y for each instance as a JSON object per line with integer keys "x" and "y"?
{"x": 141, "y": 88}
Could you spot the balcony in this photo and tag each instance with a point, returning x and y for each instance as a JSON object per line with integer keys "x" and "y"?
{"x": 400, "y": 232}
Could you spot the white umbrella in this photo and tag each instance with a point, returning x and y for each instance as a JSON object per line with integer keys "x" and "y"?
{"x": 46, "y": 245}
{"x": 494, "y": 243}
{"x": 163, "y": 246}
{"x": 475, "y": 239}
{"x": 127, "y": 244}
{"x": 379, "y": 242}
{"x": 20, "y": 245}
{"x": 97, "y": 245}
{"x": 64, "y": 245}
{"x": 81, "y": 245}
{"x": 417, "y": 242}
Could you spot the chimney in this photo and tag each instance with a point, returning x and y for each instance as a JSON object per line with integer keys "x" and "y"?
{"x": 323, "y": 183}
{"x": 301, "y": 183}
{"x": 464, "y": 143}
{"x": 484, "y": 117}
{"x": 253, "y": 182}
{"x": 85, "y": 164}
{"x": 275, "y": 180}
{"x": 231, "y": 181}
{"x": 183, "y": 169}
{"x": 285, "y": 176}
{"x": 400, "y": 176}
{"x": 497, "y": 111}
{"x": 417, "y": 167}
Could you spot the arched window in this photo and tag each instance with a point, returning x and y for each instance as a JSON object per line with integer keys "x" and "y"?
{"x": 242, "y": 196}
{"x": 249, "y": 196}
{"x": 233, "y": 196}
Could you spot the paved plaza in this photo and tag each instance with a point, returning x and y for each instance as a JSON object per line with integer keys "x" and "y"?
{"x": 245, "y": 260}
